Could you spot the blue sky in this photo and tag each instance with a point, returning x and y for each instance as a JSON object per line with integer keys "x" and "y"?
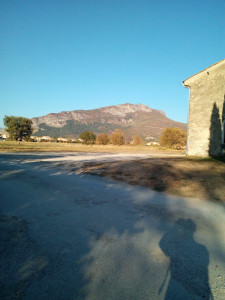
{"x": 67, "y": 55}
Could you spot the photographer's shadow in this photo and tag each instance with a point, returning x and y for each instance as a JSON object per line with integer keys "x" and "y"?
{"x": 188, "y": 266}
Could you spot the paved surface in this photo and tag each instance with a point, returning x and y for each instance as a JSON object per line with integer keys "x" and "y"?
{"x": 69, "y": 236}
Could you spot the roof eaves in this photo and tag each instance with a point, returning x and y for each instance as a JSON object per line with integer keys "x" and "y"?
{"x": 202, "y": 71}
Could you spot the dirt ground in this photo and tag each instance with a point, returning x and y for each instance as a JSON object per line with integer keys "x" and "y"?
{"x": 180, "y": 176}
{"x": 70, "y": 236}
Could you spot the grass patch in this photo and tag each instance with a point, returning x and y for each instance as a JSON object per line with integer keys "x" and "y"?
{"x": 12, "y": 146}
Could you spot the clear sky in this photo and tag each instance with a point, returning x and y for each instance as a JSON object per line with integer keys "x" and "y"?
{"x": 67, "y": 55}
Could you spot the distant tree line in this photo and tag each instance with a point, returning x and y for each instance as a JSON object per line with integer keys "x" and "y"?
{"x": 20, "y": 128}
{"x": 116, "y": 138}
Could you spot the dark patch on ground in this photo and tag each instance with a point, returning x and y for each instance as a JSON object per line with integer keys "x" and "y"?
{"x": 20, "y": 260}
{"x": 198, "y": 178}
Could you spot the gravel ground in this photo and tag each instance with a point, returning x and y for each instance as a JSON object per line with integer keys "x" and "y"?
{"x": 70, "y": 236}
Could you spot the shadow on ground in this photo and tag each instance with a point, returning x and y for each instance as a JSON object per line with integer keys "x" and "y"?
{"x": 198, "y": 178}
{"x": 189, "y": 262}
{"x": 78, "y": 237}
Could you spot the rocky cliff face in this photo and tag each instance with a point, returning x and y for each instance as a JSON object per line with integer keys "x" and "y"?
{"x": 131, "y": 118}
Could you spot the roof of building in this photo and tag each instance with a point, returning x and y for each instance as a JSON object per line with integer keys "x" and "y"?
{"x": 223, "y": 60}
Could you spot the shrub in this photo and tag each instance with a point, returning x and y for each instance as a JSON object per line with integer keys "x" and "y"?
{"x": 102, "y": 139}
{"x": 117, "y": 137}
{"x": 88, "y": 137}
{"x": 137, "y": 140}
{"x": 173, "y": 137}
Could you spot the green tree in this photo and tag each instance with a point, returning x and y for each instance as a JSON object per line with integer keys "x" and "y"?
{"x": 19, "y": 128}
{"x": 102, "y": 139}
{"x": 88, "y": 137}
{"x": 117, "y": 137}
{"x": 173, "y": 137}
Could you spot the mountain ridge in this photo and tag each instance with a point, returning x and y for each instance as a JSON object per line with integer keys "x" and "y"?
{"x": 133, "y": 119}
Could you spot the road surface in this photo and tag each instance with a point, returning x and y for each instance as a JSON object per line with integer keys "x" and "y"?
{"x": 71, "y": 236}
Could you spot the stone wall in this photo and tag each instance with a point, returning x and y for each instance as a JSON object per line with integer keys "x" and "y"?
{"x": 206, "y": 110}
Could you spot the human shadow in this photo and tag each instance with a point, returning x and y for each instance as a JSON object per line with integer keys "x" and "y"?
{"x": 188, "y": 266}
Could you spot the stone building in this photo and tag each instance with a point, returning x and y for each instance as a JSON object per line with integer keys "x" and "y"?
{"x": 206, "y": 124}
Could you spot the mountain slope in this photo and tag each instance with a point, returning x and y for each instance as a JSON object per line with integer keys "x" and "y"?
{"x": 133, "y": 119}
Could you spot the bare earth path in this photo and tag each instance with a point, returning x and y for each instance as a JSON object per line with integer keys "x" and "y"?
{"x": 73, "y": 236}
